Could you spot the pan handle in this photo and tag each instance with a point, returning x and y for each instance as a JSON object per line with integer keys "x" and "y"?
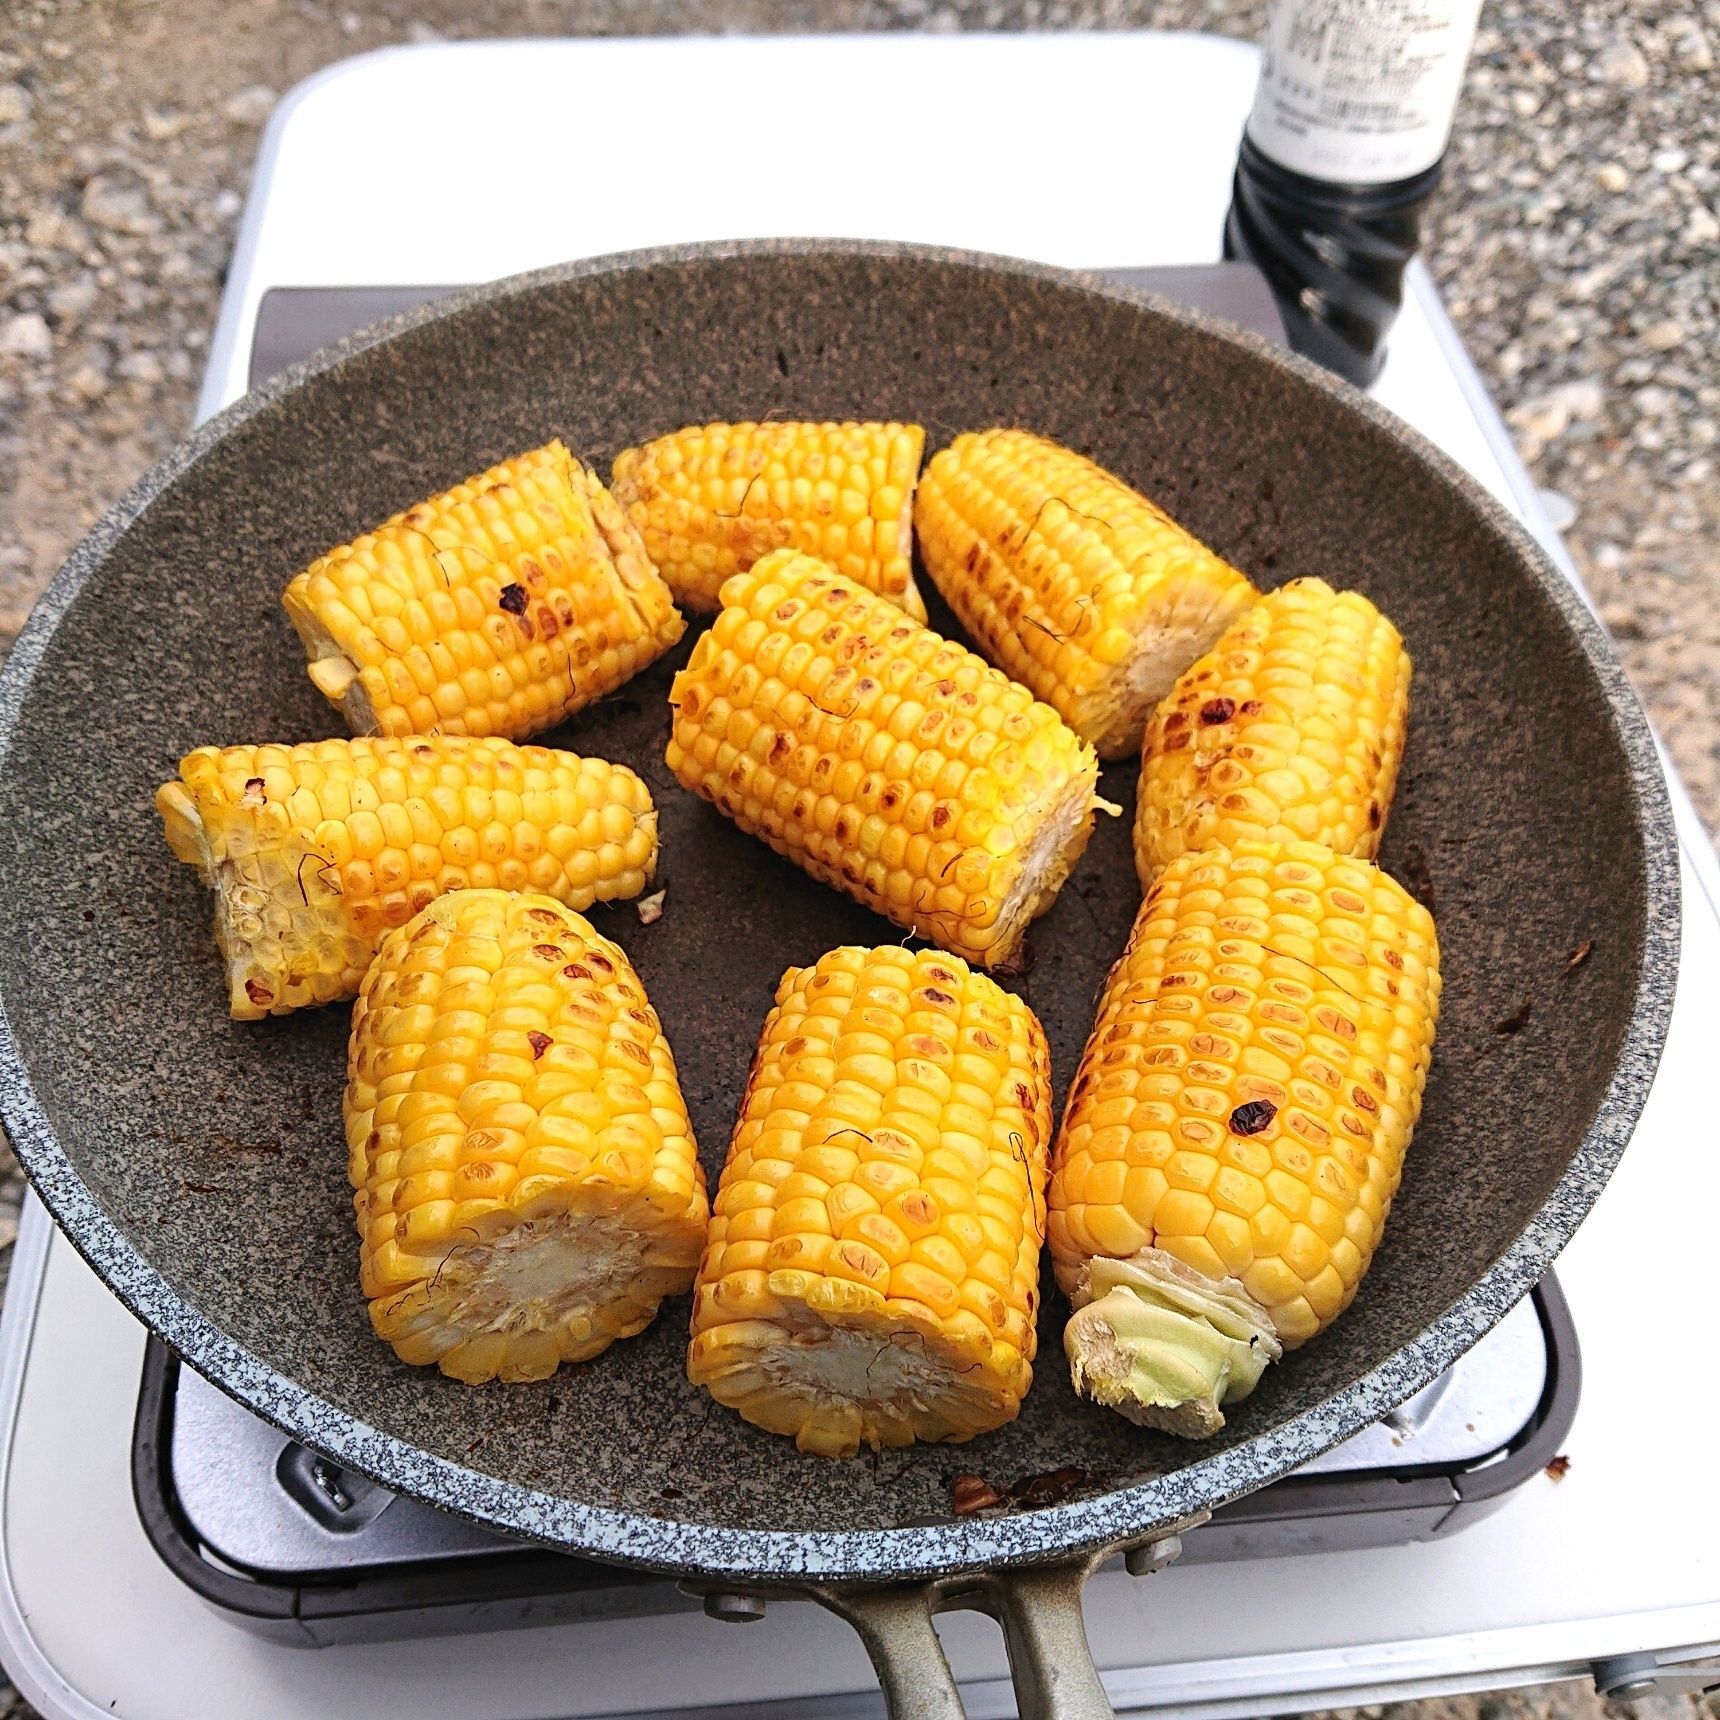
{"x": 896, "y": 1626}
{"x": 1039, "y": 1609}
{"x": 1050, "y": 1661}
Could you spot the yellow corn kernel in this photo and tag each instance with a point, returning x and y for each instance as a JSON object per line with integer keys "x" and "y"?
{"x": 888, "y": 762}
{"x": 557, "y": 1068}
{"x": 710, "y": 500}
{"x": 1290, "y": 728}
{"x": 849, "y": 1309}
{"x": 1256, "y": 1068}
{"x": 315, "y": 851}
{"x": 1071, "y": 581}
{"x": 497, "y": 608}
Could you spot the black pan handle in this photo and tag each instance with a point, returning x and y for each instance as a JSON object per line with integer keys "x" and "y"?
{"x": 1039, "y": 1607}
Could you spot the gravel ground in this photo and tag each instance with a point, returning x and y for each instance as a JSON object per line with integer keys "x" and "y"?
{"x": 1577, "y": 242}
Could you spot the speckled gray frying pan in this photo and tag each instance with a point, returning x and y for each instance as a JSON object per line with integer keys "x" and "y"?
{"x": 198, "y": 1163}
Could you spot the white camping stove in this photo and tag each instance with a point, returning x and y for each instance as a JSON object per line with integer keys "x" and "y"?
{"x": 165, "y": 1556}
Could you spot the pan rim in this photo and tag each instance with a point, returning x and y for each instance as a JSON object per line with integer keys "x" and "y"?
{"x": 788, "y": 1556}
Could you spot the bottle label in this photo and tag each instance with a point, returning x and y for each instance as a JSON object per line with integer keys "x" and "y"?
{"x": 1361, "y": 91}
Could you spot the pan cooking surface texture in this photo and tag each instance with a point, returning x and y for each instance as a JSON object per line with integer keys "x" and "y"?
{"x": 216, "y": 1147}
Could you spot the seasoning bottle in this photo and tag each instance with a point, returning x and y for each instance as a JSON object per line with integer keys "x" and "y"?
{"x": 1341, "y": 153}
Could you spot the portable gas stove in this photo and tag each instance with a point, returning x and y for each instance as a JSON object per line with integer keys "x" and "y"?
{"x": 141, "y": 1508}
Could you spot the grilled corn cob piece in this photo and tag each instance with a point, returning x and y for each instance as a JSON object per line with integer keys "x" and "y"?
{"x": 526, "y": 1183}
{"x": 496, "y": 608}
{"x": 887, "y": 761}
{"x": 1237, "y": 1126}
{"x": 1292, "y": 726}
{"x": 1072, "y": 582}
{"x": 315, "y": 851}
{"x": 873, "y": 1258}
{"x": 711, "y": 499}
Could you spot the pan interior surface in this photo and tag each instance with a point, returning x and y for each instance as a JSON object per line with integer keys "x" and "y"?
{"x": 216, "y": 1147}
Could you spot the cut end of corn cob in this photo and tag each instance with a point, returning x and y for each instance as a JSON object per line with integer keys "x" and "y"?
{"x": 1165, "y": 1346}
{"x": 497, "y": 608}
{"x": 712, "y": 499}
{"x": 314, "y": 852}
{"x": 890, "y": 763}
{"x": 527, "y": 1187}
{"x": 872, "y": 1269}
{"x": 1291, "y": 727}
{"x": 1071, "y": 581}
{"x": 1252, "y": 1081}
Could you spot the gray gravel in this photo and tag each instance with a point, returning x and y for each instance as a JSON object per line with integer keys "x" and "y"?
{"x": 1577, "y": 241}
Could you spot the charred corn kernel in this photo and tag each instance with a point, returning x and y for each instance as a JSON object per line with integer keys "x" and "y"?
{"x": 315, "y": 851}
{"x": 1237, "y": 1125}
{"x": 525, "y": 1179}
{"x": 710, "y": 500}
{"x": 887, "y": 761}
{"x": 1078, "y": 586}
{"x": 496, "y": 608}
{"x": 873, "y": 1261}
{"x": 1291, "y": 727}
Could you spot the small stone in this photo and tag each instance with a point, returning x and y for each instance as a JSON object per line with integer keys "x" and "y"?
{"x": 119, "y": 207}
{"x": 1673, "y": 160}
{"x": 1621, "y": 621}
{"x": 27, "y": 336}
{"x": 1692, "y": 49}
{"x": 1525, "y": 104}
{"x": 251, "y": 105}
{"x": 50, "y": 228}
{"x": 1583, "y": 398}
{"x": 88, "y": 382}
{"x": 1609, "y": 176}
{"x": 142, "y": 367}
{"x": 1663, "y": 336}
{"x": 420, "y": 32}
{"x": 15, "y": 104}
{"x": 227, "y": 203}
{"x": 74, "y": 298}
{"x": 161, "y": 125}
{"x": 1560, "y": 510}
{"x": 1546, "y": 417}
{"x": 1622, "y": 64}
{"x": 350, "y": 23}
{"x": 1703, "y": 227}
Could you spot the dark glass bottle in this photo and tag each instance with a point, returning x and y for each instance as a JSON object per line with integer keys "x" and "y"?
{"x": 1334, "y": 255}
{"x": 1342, "y": 151}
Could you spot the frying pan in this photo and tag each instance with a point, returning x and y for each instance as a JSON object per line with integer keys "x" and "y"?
{"x": 198, "y": 1165}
